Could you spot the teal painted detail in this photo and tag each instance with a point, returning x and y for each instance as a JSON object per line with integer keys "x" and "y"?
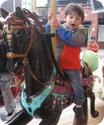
{"x": 61, "y": 95}
{"x": 37, "y": 100}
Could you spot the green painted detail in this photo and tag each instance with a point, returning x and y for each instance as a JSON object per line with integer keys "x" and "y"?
{"x": 91, "y": 58}
{"x": 37, "y": 101}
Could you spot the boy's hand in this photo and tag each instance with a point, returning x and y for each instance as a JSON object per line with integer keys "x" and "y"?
{"x": 52, "y": 19}
{"x": 55, "y": 23}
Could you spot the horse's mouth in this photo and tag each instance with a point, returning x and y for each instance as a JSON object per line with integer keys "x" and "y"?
{"x": 18, "y": 71}
{"x": 15, "y": 68}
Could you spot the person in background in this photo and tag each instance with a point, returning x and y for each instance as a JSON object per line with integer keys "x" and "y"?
{"x": 93, "y": 45}
{"x": 5, "y": 78}
{"x": 72, "y": 36}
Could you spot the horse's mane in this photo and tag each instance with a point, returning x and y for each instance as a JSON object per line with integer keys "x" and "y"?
{"x": 23, "y": 15}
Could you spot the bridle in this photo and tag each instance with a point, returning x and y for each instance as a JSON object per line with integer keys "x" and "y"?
{"x": 24, "y": 22}
{"x": 12, "y": 55}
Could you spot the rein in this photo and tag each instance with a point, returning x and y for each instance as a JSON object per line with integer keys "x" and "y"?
{"x": 26, "y": 65}
{"x": 11, "y": 55}
{"x": 37, "y": 100}
{"x": 19, "y": 24}
{"x": 62, "y": 75}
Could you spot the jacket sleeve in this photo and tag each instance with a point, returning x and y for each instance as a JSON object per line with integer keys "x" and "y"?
{"x": 47, "y": 28}
{"x": 76, "y": 38}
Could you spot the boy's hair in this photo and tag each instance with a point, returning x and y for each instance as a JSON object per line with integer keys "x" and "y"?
{"x": 73, "y": 7}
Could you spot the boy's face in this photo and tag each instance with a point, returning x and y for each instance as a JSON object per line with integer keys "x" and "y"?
{"x": 73, "y": 21}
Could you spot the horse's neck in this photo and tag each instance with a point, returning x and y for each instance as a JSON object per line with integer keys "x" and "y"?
{"x": 40, "y": 64}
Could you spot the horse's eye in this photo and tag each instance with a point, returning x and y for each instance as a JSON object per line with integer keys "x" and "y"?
{"x": 17, "y": 34}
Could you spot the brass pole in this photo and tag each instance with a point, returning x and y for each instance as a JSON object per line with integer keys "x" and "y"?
{"x": 34, "y": 5}
{"x": 53, "y": 29}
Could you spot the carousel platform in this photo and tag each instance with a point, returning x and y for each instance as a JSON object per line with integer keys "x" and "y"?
{"x": 68, "y": 115}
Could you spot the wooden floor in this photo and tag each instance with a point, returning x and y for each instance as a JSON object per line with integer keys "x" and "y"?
{"x": 68, "y": 114}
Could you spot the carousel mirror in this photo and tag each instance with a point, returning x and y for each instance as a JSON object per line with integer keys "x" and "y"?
{"x": 98, "y": 6}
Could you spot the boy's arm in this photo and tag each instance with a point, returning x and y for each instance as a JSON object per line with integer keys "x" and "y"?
{"x": 76, "y": 39}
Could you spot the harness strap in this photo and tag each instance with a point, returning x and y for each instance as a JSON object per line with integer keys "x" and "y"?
{"x": 36, "y": 101}
{"x": 62, "y": 75}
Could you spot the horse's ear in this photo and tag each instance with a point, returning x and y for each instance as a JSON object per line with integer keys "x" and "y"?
{"x": 4, "y": 13}
{"x": 19, "y": 13}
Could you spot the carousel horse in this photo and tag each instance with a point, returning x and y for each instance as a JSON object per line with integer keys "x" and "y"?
{"x": 6, "y": 95}
{"x": 44, "y": 94}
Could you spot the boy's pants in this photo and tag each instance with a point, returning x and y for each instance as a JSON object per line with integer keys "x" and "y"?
{"x": 78, "y": 92}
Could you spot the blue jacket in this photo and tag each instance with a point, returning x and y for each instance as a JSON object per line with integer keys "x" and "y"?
{"x": 75, "y": 38}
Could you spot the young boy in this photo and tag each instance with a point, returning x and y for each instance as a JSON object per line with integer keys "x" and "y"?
{"x": 72, "y": 37}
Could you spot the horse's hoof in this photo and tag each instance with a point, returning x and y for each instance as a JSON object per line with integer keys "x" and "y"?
{"x": 95, "y": 114}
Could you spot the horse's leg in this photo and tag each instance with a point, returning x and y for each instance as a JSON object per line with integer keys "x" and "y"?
{"x": 54, "y": 118}
{"x": 21, "y": 118}
{"x": 94, "y": 113}
{"x": 85, "y": 110}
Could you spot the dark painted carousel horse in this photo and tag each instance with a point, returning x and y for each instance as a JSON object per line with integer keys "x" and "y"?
{"x": 43, "y": 94}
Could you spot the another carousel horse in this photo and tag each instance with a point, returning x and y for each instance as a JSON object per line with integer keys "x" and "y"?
{"x": 6, "y": 96}
{"x": 43, "y": 94}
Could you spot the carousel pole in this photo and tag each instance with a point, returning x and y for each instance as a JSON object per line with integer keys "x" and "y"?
{"x": 14, "y": 5}
{"x": 34, "y": 5}
{"x": 53, "y": 29}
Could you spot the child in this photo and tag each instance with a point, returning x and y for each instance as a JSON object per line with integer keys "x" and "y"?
{"x": 72, "y": 37}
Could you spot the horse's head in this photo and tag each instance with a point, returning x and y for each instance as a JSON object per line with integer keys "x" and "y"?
{"x": 19, "y": 33}
{"x": 23, "y": 33}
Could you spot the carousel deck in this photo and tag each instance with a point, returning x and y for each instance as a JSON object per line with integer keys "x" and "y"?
{"x": 68, "y": 115}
